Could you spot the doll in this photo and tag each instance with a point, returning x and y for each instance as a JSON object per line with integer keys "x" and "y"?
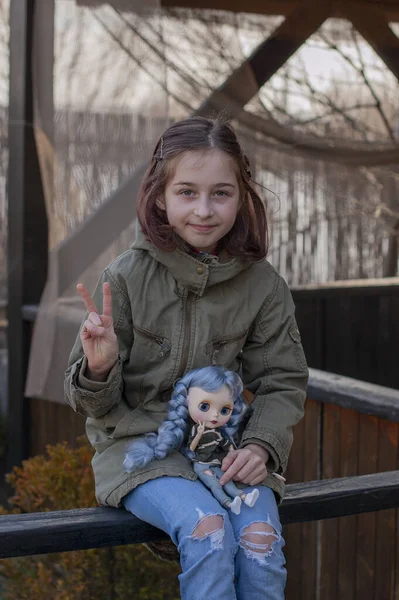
{"x": 206, "y": 403}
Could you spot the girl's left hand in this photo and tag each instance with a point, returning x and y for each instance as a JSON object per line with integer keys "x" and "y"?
{"x": 247, "y": 465}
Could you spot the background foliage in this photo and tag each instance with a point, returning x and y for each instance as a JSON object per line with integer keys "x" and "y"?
{"x": 63, "y": 479}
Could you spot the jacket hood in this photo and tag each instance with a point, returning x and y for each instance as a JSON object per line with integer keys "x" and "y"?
{"x": 195, "y": 272}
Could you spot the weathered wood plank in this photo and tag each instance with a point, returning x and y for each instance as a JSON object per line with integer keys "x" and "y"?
{"x": 347, "y": 527}
{"x": 386, "y": 537}
{"x": 366, "y": 524}
{"x": 308, "y": 562}
{"x": 329, "y": 528}
{"x": 354, "y": 394}
{"x": 37, "y": 533}
{"x": 293, "y": 533}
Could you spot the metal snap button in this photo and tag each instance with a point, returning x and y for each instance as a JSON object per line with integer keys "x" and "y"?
{"x": 200, "y": 270}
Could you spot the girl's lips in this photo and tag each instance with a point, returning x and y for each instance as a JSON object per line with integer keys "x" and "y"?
{"x": 202, "y": 228}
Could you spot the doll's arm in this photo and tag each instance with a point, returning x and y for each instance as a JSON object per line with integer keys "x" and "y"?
{"x": 195, "y": 442}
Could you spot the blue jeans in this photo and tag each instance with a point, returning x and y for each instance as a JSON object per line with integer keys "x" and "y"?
{"x": 223, "y": 556}
{"x": 224, "y": 494}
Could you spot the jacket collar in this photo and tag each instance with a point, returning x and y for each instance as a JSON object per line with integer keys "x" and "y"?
{"x": 194, "y": 272}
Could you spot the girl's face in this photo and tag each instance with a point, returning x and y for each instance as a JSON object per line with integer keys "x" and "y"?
{"x": 202, "y": 198}
{"x": 212, "y": 408}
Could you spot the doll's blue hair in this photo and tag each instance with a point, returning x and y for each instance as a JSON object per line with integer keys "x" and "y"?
{"x": 172, "y": 431}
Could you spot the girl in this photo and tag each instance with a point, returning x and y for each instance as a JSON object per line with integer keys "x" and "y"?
{"x": 195, "y": 290}
{"x": 211, "y": 399}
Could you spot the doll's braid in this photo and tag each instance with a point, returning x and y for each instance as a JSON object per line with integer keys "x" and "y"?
{"x": 170, "y": 434}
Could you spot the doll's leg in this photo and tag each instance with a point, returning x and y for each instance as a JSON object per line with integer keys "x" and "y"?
{"x": 233, "y": 491}
{"x": 199, "y": 527}
{"x": 260, "y": 561}
{"x": 209, "y": 476}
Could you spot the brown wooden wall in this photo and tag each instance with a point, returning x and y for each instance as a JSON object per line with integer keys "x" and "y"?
{"x": 351, "y": 558}
{"x": 354, "y": 557}
{"x": 352, "y": 329}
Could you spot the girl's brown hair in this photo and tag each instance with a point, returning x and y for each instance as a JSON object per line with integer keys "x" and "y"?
{"x": 248, "y": 237}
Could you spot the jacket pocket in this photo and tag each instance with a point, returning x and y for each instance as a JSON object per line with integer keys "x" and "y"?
{"x": 224, "y": 350}
{"x": 149, "y": 350}
{"x": 295, "y": 336}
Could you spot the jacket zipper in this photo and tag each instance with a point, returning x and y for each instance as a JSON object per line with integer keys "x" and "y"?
{"x": 164, "y": 345}
{"x": 187, "y": 335}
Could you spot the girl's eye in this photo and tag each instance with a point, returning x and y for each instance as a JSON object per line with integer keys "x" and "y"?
{"x": 225, "y": 411}
{"x": 204, "y": 407}
{"x": 186, "y": 193}
{"x": 221, "y": 193}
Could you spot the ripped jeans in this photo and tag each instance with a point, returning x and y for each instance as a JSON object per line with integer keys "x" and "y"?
{"x": 223, "y": 556}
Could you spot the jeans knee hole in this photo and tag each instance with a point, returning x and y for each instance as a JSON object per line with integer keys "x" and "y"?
{"x": 257, "y": 541}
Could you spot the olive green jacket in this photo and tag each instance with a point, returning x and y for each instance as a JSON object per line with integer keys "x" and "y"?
{"x": 174, "y": 311}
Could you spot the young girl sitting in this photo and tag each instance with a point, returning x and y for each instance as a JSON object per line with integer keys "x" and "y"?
{"x": 195, "y": 290}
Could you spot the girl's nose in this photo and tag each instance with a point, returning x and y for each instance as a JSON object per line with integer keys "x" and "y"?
{"x": 204, "y": 208}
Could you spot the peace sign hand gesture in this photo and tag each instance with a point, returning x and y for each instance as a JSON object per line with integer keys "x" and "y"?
{"x": 97, "y": 335}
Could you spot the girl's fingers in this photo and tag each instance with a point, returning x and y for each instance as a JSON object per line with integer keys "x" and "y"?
{"x": 95, "y": 319}
{"x": 257, "y": 480}
{"x": 107, "y": 300}
{"x": 234, "y": 468}
{"x": 249, "y": 471}
{"x": 94, "y": 330}
{"x": 87, "y": 299}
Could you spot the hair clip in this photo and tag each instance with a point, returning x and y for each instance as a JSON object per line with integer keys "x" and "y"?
{"x": 161, "y": 148}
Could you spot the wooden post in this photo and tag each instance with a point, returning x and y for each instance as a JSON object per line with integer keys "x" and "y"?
{"x": 27, "y": 219}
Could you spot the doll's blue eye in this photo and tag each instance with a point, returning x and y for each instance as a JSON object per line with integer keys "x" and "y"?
{"x": 204, "y": 407}
{"x": 225, "y": 411}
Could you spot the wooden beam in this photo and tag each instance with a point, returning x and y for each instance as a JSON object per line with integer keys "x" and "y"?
{"x": 266, "y": 60}
{"x": 102, "y": 227}
{"x": 27, "y": 221}
{"x": 260, "y": 7}
{"x": 61, "y": 531}
{"x": 373, "y": 24}
{"x": 353, "y": 394}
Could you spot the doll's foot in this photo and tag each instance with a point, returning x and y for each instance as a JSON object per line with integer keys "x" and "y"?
{"x": 251, "y": 498}
{"x": 235, "y": 505}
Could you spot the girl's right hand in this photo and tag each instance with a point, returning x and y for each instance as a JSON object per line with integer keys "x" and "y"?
{"x": 97, "y": 335}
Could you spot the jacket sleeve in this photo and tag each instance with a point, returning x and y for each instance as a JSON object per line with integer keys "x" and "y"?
{"x": 275, "y": 371}
{"x": 92, "y": 398}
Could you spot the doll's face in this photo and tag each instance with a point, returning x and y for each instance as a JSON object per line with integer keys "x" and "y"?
{"x": 212, "y": 408}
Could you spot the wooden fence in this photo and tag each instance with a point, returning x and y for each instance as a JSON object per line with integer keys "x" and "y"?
{"x": 353, "y": 557}
{"x": 352, "y": 328}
